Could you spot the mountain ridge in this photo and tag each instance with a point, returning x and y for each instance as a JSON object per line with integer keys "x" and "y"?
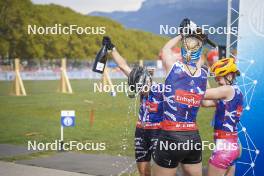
{"x": 153, "y": 13}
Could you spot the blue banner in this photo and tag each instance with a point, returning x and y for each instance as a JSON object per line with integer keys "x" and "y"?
{"x": 251, "y": 64}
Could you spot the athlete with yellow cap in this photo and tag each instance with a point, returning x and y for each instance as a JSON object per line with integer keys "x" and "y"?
{"x": 228, "y": 100}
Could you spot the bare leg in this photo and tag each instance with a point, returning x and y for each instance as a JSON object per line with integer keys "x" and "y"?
{"x": 215, "y": 171}
{"x": 231, "y": 171}
{"x": 160, "y": 171}
{"x": 144, "y": 168}
{"x": 192, "y": 169}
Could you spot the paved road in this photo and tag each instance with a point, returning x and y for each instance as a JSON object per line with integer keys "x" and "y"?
{"x": 9, "y": 150}
{"x": 92, "y": 164}
{"x": 12, "y": 169}
{"x": 65, "y": 164}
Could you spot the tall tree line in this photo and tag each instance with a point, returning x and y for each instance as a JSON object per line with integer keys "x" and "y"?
{"x": 16, "y": 15}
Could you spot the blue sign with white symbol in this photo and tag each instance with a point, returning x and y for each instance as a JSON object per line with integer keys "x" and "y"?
{"x": 67, "y": 118}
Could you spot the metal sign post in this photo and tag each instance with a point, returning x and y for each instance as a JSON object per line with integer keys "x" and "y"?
{"x": 228, "y": 36}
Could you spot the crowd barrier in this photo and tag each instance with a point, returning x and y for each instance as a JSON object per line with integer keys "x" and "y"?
{"x": 73, "y": 74}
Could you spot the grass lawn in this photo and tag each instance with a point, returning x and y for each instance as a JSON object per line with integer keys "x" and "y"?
{"x": 37, "y": 116}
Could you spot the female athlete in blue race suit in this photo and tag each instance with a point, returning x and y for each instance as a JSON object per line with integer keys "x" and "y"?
{"x": 150, "y": 115}
{"x": 228, "y": 100}
{"x": 188, "y": 80}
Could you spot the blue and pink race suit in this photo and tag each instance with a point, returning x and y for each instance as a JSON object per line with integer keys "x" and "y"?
{"x": 182, "y": 102}
{"x": 227, "y": 115}
{"x": 151, "y": 108}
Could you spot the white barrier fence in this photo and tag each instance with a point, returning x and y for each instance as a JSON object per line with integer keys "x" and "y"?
{"x": 55, "y": 75}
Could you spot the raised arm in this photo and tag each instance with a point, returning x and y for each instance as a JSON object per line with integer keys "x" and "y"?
{"x": 121, "y": 62}
{"x": 167, "y": 55}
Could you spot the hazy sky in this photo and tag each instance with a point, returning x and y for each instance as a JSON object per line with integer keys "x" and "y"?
{"x": 86, "y": 6}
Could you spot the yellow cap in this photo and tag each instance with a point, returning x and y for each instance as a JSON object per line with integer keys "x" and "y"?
{"x": 224, "y": 66}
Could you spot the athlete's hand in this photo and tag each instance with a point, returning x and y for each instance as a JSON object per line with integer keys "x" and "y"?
{"x": 185, "y": 23}
{"x": 107, "y": 42}
{"x": 188, "y": 27}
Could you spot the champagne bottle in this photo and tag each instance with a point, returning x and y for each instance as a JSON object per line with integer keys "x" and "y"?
{"x": 100, "y": 60}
